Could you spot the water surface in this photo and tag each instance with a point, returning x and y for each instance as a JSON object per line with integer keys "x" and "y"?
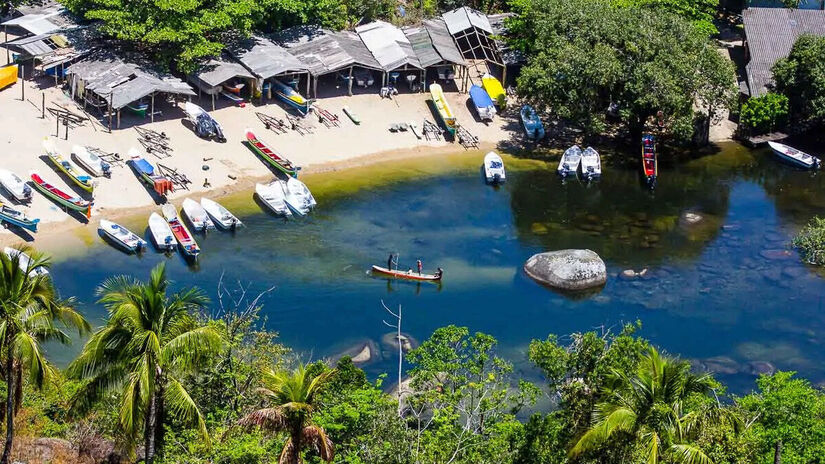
{"x": 724, "y": 292}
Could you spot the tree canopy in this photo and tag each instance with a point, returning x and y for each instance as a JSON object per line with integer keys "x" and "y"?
{"x": 801, "y": 77}
{"x": 591, "y": 63}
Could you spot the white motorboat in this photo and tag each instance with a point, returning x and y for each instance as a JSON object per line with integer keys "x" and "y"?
{"x": 24, "y": 261}
{"x": 272, "y": 194}
{"x": 162, "y": 233}
{"x": 494, "y": 168}
{"x": 298, "y": 197}
{"x": 197, "y": 215}
{"x": 591, "y": 164}
{"x": 569, "y": 163}
{"x": 204, "y": 125}
{"x": 122, "y": 236}
{"x": 91, "y": 162}
{"x": 220, "y": 215}
{"x": 794, "y": 156}
{"x": 15, "y": 186}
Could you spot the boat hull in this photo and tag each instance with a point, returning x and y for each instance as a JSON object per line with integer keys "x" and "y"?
{"x": 81, "y": 206}
{"x": 260, "y": 149}
{"x": 443, "y": 110}
{"x": 7, "y": 216}
{"x": 86, "y": 185}
{"x": 411, "y": 275}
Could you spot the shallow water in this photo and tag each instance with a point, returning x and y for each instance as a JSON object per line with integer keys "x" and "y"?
{"x": 720, "y": 292}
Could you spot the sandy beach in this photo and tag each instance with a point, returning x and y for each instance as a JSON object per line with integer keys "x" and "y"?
{"x": 231, "y": 166}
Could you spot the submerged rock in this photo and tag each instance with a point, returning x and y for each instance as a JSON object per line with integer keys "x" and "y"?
{"x": 390, "y": 342}
{"x": 567, "y": 269}
{"x": 628, "y": 274}
{"x": 761, "y": 367}
{"x": 776, "y": 254}
{"x": 690, "y": 218}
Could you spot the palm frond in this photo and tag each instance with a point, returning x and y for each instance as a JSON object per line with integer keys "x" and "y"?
{"x": 28, "y": 351}
{"x": 289, "y": 455}
{"x": 191, "y": 348}
{"x": 688, "y": 454}
{"x": 618, "y": 420}
{"x": 271, "y": 419}
{"x": 181, "y": 405}
{"x": 317, "y": 437}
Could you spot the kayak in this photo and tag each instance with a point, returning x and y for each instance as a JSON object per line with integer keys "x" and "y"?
{"x": 410, "y": 274}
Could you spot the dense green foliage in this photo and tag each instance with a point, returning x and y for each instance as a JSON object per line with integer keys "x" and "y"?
{"x": 801, "y": 77}
{"x": 589, "y": 56}
{"x": 811, "y": 241}
{"x": 615, "y": 397}
{"x": 699, "y": 12}
{"x": 31, "y": 313}
{"x": 764, "y": 114}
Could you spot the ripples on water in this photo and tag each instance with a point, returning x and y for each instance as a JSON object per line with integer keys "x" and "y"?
{"x": 721, "y": 292}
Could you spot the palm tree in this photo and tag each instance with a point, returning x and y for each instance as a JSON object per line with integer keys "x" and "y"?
{"x": 30, "y": 311}
{"x": 292, "y": 398}
{"x": 647, "y": 407}
{"x": 150, "y": 341}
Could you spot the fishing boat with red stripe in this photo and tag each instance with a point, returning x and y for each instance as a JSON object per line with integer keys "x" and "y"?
{"x": 650, "y": 165}
{"x": 280, "y": 163}
{"x": 187, "y": 243}
{"x": 61, "y": 197}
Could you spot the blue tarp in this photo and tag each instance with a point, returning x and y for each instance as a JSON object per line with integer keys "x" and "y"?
{"x": 480, "y": 97}
{"x": 143, "y": 166}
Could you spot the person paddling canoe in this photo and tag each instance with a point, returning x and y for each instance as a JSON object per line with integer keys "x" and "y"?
{"x": 391, "y": 261}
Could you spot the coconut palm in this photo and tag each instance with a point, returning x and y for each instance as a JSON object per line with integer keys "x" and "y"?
{"x": 292, "y": 400}
{"x": 150, "y": 341}
{"x": 31, "y": 313}
{"x": 648, "y": 405}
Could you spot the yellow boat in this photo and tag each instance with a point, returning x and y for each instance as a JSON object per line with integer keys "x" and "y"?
{"x": 8, "y": 76}
{"x": 494, "y": 89}
{"x": 443, "y": 108}
{"x": 67, "y": 167}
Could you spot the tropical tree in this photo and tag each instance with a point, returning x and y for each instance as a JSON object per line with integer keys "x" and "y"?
{"x": 650, "y": 407}
{"x": 292, "y": 398}
{"x": 150, "y": 341}
{"x": 31, "y": 312}
{"x": 801, "y": 77}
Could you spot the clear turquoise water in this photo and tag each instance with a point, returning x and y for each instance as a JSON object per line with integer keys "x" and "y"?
{"x": 720, "y": 290}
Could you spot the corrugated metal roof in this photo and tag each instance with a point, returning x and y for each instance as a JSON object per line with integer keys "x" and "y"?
{"x": 433, "y": 43}
{"x": 265, "y": 58}
{"x": 464, "y": 18}
{"x": 509, "y": 55}
{"x": 54, "y": 48}
{"x": 388, "y": 45}
{"x": 323, "y": 51}
{"x": 771, "y": 33}
{"x": 48, "y": 19}
{"x": 119, "y": 82}
{"x": 217, "y": 71}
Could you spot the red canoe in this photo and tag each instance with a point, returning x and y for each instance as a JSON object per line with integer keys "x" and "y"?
{"x": 649, "y": 163}
{"x": 280, "y": 163}
{"x": 63, "y": 198}
{"x": 411, "y": 275}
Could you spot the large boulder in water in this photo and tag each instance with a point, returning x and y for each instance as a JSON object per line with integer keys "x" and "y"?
{"x": 567, "y": 269}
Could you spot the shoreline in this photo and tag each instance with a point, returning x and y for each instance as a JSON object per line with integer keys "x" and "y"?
{"x": 69, "y": 238}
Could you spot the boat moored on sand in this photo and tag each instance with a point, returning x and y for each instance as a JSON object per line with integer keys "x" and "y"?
{"x": 67, "y": 201}
{"x": 484, "y": 105}
{"x": 91, "y": 162}
{"x": 442, "y": 108}
{"x": 290, "y": 96}
{"x": 494, "y": 90}
{"x": 494, "y": 168}
{"x": 147, "y": 173}
{"x": 267, "y": 154}
{"x": 67, "y": 167}
{"x": 9, "y": 215}
{"x": 16, "y": 187}
{"x": 793, "y": 156}
{"x": 533, "y": 127}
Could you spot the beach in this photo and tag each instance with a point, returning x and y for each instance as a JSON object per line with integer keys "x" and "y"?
{"x": 214, "y": 169}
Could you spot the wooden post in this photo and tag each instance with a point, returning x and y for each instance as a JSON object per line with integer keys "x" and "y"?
{"x": 8, "y": 57}
{"x": 22, "y": 83}
{"x": 504, "y": 76}
{"x": 153, "y": 107}
{"x": 308, "y": 82}
{"x": 57, "y": 125}
{"x": 213, "y": 102}
{"x": 43, "y": 105}
{"x": 111, "y": 104}
{"x": 67, "y": 126}
{"x": 118, "y": 119}
{"x": 349, "y": 82}
{"x": 315, "y": 86}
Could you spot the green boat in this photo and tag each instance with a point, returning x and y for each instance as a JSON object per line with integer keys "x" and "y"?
{"x": 280, "y": 163}
{"x": 67, "y": 167}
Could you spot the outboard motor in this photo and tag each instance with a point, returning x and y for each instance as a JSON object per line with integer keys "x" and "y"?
{"x": 496, "y": 178}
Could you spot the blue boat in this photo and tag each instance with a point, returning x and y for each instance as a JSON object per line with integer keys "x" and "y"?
{"x": 290, "y": 96}
{"x": 485, "y": 107}
{"x": 17, "y": 218}
{"x": 533, "y": 127}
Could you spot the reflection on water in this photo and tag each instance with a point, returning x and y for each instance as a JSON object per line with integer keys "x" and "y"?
{"x": 722, "y": 288}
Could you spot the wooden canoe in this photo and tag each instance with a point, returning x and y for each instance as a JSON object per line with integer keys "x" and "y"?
{"x": 410, "y": 275}
{"x": 279, "y": 162}
{"x": 61, "y": 197}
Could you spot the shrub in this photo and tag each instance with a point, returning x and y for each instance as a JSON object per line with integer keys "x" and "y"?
{"x": 764, "y": 114}
{"x": 811, "y": 241}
